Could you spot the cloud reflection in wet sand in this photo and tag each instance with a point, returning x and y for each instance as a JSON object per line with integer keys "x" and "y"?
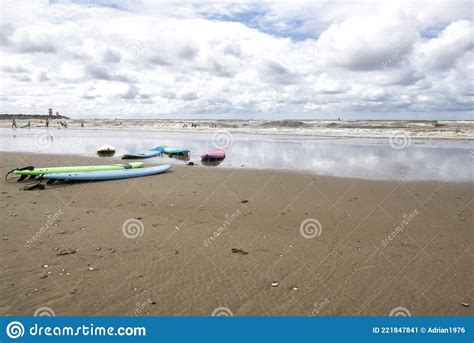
{"x": 364, "y": 158}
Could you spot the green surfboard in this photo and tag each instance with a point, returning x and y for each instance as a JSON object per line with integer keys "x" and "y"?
{"x": 40, "y": 171}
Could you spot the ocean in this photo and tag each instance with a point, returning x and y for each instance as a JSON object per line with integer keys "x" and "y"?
{"x": 342, "y": 151}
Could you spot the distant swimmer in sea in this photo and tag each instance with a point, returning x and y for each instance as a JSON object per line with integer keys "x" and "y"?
{"x": 13, "y": 124}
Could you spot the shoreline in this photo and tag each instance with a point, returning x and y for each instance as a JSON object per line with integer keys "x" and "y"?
{"x": 359, "y": 158}
{"x": 266, "y": 257}
{"x": 327, "y": 132}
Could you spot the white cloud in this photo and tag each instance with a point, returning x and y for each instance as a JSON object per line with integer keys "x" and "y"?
{"x": 453, "y": 42}
{"x": 242, "y": 59}
{"x": 41, "y": 75}
{"x": 366, "y": 43}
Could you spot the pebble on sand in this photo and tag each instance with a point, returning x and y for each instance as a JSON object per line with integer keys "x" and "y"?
{"x": 63, "y": 252}
{"x": 239, "y": 251}
{"x": 465, "y": 304}
{"x": 275, "y": 284}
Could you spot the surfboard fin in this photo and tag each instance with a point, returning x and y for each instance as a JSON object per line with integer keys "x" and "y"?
{"x": 24, "y": 168}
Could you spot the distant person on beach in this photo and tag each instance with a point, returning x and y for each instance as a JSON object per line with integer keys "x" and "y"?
{"x": 14, "y": 124}
{"x": 47, "y": 122}
{"x": 28, "y": 125}
{"x": 82, "y": 123}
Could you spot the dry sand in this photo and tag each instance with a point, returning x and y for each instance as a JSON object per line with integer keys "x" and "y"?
{"x": 81, "y": 262}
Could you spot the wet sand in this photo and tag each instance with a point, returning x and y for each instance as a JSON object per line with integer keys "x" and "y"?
{"x": 239, "y": 239}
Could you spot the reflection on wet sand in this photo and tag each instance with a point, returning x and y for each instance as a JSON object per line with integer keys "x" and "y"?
{"x": 211, "y": 163}
{"x": 363, "y": 158}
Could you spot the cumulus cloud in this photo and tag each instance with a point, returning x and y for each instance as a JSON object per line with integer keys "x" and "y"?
{"x": 244, "y": 59}
{"x": 366, "y": 43}
{"x": 453, "y": 42}
{"x": 41, "y": 75}
{"x": 131, "y": 93}
{"x": 14, "y": 69}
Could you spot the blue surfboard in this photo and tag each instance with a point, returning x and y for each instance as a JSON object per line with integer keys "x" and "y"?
{"x": 145, "y": 154}
{"x": 176, "y": 152}
{"x": 108, "y": 174}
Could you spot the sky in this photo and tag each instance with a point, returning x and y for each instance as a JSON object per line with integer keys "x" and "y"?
{"x": 246, "y": 60}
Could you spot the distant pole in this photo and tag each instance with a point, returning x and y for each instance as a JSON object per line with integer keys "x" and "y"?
{"x": 50, "y": 112}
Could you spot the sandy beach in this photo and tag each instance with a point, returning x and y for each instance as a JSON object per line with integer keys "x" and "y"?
{"x": 254, "y": 242}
